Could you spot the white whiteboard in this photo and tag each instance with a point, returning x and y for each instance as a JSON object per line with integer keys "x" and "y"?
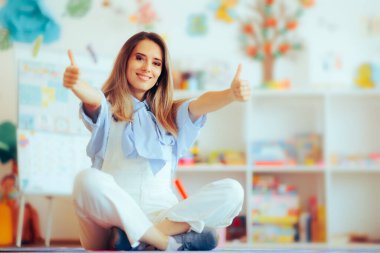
{"x": 51, "y": 137}
{"x": 48, "y": 162}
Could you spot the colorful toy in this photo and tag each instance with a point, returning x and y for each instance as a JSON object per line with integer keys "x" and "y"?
{"x": 275, "y": 210}
{"x": 229, "y": 157}
{"x": 364, "y": 79}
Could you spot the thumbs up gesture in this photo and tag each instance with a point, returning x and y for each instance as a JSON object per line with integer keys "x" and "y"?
{"x": 71, "y": 75}
{"x": 241, "y": 89}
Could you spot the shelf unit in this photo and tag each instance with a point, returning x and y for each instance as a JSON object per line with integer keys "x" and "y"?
{"x": 349, "y": 123}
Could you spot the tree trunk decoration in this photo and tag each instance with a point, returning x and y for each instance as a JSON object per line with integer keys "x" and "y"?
{"x": 267, "y": 68}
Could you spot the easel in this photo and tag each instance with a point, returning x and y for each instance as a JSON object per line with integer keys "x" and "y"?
{"x": 20, "y": 220}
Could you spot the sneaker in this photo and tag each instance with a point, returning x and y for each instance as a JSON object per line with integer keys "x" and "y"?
{"x": 206, "y": 240}
{"x": 119, "y": 240}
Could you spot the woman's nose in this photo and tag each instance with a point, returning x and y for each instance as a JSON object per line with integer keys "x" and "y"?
{"x": 147, "y": 66}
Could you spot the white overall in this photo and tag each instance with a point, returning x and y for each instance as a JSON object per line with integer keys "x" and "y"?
{"x": 126, "y": 194}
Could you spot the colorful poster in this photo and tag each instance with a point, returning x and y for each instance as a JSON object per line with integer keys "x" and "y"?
{"x": 44, "y": 104}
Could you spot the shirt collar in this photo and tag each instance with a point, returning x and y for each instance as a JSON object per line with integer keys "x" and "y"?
{"x": 137, "y": 104}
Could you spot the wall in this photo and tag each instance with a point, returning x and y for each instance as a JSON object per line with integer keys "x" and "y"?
{"x": 338, "y": 36}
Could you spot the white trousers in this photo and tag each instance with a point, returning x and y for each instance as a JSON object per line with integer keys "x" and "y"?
{"x": 101, "y": 203}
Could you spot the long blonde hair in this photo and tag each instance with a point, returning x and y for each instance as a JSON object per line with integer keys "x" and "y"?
{"x": 159, "y": 97}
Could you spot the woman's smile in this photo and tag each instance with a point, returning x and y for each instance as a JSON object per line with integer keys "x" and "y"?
{"x": 143, "y": 77}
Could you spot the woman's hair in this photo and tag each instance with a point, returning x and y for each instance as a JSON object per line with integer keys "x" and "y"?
{"x": 159, "y": 97}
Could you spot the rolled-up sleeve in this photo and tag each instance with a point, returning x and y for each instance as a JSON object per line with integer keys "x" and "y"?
{"x": 99, "y": 132}
{"x": 188, "y": 130}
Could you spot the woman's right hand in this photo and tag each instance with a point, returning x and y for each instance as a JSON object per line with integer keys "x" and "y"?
{"x": 72, "y": 73}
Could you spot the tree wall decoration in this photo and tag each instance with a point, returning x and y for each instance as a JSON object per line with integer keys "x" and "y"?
{"x": 268, "y": 33}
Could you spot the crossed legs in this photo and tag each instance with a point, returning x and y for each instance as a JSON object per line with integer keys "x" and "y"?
{"x": 101, "y": 204}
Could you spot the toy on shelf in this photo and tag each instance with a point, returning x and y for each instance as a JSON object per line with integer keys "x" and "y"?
{"x": 366, "y": 160}
{"x": 227, "y": 157}
{"x": 189, "y": 80}
{"x": 364, "y": 78}
{"x": 275, "y": 210}
{"x": 191, "y": 156}
{"x": 317, "y": 229}
{"x": 312, "y": 222}
{"x": 195, "y": 151}
{"x": 302, "y": 149}
{"x": 186, "y": 160}
{"x": 308, "y": 148}
{"x": 237, "y": 230}
{"x": 278, "y": 85}
{"x": 273, "y": 153}
{"x": 368, "y": 75}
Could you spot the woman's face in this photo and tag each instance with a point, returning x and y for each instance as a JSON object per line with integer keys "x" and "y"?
{"x": 144, "y": 67}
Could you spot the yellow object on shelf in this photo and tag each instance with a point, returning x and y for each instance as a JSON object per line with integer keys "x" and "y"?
{"x": 6, "y": 230}
{"x": 283, "y": 220}
{"x": 321, "y": 223}
{"x": 364, "y": 78}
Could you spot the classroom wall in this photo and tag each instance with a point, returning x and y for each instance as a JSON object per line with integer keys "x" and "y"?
{"x": 338, "y": 34}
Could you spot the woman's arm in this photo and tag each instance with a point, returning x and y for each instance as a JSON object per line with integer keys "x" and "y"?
{"x": 215, "y": 100}
{"x": 86, "y": 93}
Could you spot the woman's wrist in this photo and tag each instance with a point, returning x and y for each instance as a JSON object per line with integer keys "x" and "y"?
{"x": 230, "y": 94}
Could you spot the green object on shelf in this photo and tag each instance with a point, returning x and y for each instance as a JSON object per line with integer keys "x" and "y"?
{"x": 8, "y": 143}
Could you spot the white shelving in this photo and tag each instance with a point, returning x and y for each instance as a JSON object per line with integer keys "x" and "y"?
{"x": 213, "y": 168}
{"x": 349, "y": 123}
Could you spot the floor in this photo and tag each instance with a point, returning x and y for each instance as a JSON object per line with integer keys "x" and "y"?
{"x": 75, "y": 247}
{"x": 63, "y": 249}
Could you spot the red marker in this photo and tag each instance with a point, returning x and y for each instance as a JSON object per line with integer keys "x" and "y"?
{"x": 180, "y": 188}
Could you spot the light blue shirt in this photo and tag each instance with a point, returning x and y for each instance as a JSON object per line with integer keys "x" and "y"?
{"x": 144, "y": 137}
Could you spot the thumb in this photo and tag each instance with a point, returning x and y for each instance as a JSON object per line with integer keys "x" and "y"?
{"x": 238, "y": 71}
{"x": 71, "y": 57}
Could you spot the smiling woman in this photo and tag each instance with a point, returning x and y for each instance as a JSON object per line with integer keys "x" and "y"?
{"x": 144, "y": 68}
{"x": 138, "y": 133}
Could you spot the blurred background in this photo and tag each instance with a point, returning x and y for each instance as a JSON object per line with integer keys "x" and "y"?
{"x": 306, "y": 147}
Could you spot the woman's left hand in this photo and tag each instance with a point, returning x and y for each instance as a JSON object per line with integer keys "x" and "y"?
{"x": 241, "y": 90}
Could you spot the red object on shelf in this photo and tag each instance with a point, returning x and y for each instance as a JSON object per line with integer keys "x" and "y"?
{"x": 180, "y": 188}
{"x": 275, "y": 163}
{"x": 186, "y": 161}
{"x": 271, "y": 163}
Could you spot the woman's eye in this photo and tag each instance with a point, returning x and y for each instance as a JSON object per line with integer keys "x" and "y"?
{"x": 158, "y": 64}
{"x": 138, "y": 57}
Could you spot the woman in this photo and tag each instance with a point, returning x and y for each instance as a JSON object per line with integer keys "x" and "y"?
{"x": 138, "y": 135}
